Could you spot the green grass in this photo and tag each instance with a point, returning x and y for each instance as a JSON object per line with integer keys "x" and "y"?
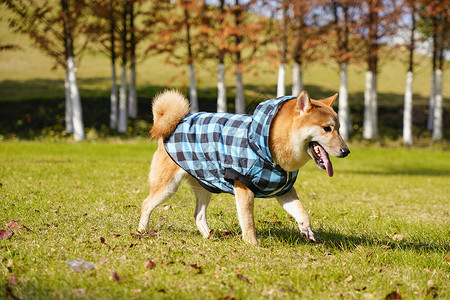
{"x": 382, "y": 225}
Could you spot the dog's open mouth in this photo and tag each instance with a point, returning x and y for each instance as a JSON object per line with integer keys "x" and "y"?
{"x": 321, "y": 158}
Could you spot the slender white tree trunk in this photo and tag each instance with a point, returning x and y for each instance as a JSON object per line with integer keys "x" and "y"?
{"x": 132, "y": 98}
{"x": 221, "y": 89}
{"x": 437, "y": 114}
{"x": 192, "y": 89}
{"x": 281, "y": 90}
{"x": 77, "y": 113}
{"x": 68, "y": 105}
{"x": 239, "y": 100}
{"x": 113, "y": 99}
{"x": 431, "y": 101}
{"x": 122, "y": 126}
{"x": 374, "y": 104}
{"x": 344, "y": 109}
{"x": 297, "y": 79}
{"x": 369, "y": 123}
{"x": 407, "y": 110}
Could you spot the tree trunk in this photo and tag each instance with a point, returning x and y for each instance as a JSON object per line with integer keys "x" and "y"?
{"x": 407, "y": 111}
{"x": 437, "y": 116}
{"x": 122, "y": 127}
{"x": 370, "y": 106}
{"x": 113, "y": 116}
{"x": 192, "y": 89}
{"x": 297, "y": 79}
{"x": 281, "y": 91}
{"x": 77, "y": 113}
{"x": 221, "y": 89}
{"x": 68, "y": 105}
{"x": 344, "y": 109}
{"x": 132, "y": 98}
{"x": 431, "y": 102}
{"x": 431, "y": 105}
{"x": 239, "y": 100}
{"x": 113, "y": 98}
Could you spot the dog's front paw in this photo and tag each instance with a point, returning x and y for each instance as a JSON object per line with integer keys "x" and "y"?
{"x": 307, "y": 233}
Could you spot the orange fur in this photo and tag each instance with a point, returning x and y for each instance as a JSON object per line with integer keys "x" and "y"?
{"x": 169, "y": 108}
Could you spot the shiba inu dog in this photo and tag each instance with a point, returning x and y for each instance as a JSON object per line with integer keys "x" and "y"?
{"x": 249, "y": 156}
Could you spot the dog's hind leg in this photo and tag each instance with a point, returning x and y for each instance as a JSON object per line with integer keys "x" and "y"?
{"x": 245, "y": 204}
{"x": 203, "y": 197}
{"x": 294, "y": 207}
{"x": 165, "y": 176}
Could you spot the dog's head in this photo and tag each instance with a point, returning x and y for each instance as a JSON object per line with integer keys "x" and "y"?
{"x": 317, "y": 124}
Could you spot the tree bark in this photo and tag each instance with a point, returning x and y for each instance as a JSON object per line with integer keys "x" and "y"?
{"x": 192, "y": 89}
{"x": 407, "y": 111}
{"x": 113, "y": 98}
{"x": 132, "y": 98}
{"x": 77, "y": 113}
{"x": 122, "y": 126}
{"x": 281, "y": 90}
{"x": 344, "y": 109}
{"x": 437, "y": 117}
{"x": 370, "y": 106}
{"x": 239, "y": 100}
{"x": 68, "y": 105}
{"x": 221, "y": 89}
{"x": 297, "y": 79}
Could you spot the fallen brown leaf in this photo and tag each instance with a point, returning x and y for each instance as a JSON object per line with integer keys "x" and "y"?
{"x": 447, "y": 257}
{"x": 149, "y": 264}
{"x": 243, "y": 278}
{"x": 370, "y": 253}
{"x": 393, "y": 296}
{"x": 14, "y": 225}
{"x": 6, "y": 234}
{"x": 116, "y": 277}
{"x": 196, "y": 267}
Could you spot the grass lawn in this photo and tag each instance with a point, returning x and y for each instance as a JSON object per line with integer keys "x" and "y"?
{"x": 381, "y": 223}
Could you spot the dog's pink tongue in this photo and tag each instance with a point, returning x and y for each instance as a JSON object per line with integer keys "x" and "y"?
{"x": 326, "y": 161}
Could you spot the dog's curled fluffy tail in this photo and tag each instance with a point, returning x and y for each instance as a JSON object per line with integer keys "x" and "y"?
{"x": 169, "y": 108}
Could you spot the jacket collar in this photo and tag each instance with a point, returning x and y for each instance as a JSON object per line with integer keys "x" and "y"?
{"x": 260, "y": 127}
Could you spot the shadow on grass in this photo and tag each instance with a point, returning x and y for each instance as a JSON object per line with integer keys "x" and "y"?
{"x": 335, "y": 241}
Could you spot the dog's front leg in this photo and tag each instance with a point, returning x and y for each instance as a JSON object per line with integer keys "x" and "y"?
{"x": 294, "y": 207}
{"x": 245, "y": 203}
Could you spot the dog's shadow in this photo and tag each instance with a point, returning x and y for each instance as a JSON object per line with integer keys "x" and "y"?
{"x": 335, "y": 241}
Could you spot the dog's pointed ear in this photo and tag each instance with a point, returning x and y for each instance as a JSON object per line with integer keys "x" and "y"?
{"x": 329, "y": 101}
{"x": 303, "y": 103}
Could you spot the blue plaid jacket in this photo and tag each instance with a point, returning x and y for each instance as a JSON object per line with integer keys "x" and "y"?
{"x": 219, "y": 148}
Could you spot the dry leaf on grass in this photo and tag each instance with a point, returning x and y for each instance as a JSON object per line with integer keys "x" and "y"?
{"x": 151, "y": 233}
{"x": 393, "y": 296}
{"x": 14, "y": 225}
{"x": 149, "y": 264}
{"x": 370, "y": 253}
{"x": 243, "y": 278}
{"x": 194, "y": 266}
{"x": 6, "y": 234}
{"x": 348, "y": 279}
{"x": 114, "y": 276}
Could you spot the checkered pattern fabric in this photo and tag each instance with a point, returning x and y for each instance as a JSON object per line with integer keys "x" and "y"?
{"x": 218, "y": 148}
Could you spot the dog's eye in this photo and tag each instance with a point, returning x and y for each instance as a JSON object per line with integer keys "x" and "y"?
{"x": 327, "y": 129}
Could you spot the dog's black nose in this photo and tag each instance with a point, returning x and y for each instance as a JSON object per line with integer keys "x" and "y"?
{"x": 344, "y": 152}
